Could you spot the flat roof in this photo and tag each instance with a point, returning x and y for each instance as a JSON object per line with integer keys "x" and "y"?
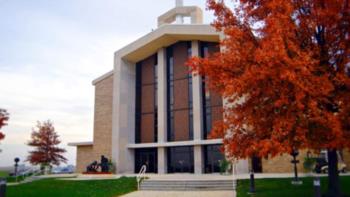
{"x": 102, "y": 77}
{"x": 80, "y": 144}
{"x": 164, "y": 36}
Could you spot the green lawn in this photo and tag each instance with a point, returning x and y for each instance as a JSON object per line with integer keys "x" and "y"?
{"x": 11, "y": 179}
{"x": 62, "y": 188}
{"x": 3, "y": 174}
{"x": 283, "y": 188}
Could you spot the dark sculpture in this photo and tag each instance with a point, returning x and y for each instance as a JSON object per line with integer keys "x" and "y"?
{"x": 104, "y": 165}
{"x": 92, "y": 167}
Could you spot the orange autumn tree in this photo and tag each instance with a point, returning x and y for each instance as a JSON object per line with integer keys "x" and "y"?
{"x": 284, "y": 72}
{"x": 45, "y": 141}
{"x": 4, "y": 116}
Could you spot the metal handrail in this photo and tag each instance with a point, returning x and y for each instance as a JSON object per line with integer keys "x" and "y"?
{"x": 141, "y": 176}
{"x": 32, "y": 171}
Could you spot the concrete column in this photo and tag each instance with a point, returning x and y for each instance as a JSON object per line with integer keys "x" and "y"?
{"x": 197, "y": 99}
{"x": 197, "y": 114}
{"x": 162, "y": 96}
{"x": 242, "y": 167}
{"x": 162, "y": 161}
{"x": 123, "y": 128}
{"x": 162, "y": 110}
{"x": 198, "y": 159}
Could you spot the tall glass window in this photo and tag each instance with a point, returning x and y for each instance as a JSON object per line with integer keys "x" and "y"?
{"x": 211, "y": 101}
{"x": 179, "y": 92}
{"x": 146, "y": 104}
{"x": 207, "y": 119}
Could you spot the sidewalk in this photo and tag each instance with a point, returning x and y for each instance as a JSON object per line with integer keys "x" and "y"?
{"x": 181, "y": 194}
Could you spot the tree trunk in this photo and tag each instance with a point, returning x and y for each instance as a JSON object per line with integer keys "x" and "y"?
{"x": 333, "y": 174}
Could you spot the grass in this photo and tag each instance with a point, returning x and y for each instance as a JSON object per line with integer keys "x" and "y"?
{"x": 12, "y": 179}
{"x": 64, "y": 188}
{"x": 3, "y": 174}
{"x": 282, "y": 187}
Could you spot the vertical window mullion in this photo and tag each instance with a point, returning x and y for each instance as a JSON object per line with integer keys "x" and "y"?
{"x": 155, "y": 98}
{"x": 190, "y": 94}
{"x": 170, "y": 93}
{"x": 138, "y": 103}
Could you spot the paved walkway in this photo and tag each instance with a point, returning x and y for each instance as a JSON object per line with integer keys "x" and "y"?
{"x": 181, "y": 194}
{"x": 36, "y": 178}
{"x": 80, "y": 177}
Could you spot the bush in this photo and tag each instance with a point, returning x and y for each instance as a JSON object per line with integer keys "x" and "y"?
{"x": 224, "y": 166}
{"x": 309, "y": 164}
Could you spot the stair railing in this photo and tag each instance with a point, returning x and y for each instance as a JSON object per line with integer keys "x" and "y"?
{"x": 141, "y": 176}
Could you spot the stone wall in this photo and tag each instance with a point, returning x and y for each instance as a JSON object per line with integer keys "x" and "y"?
{"x": 83, "y": 157}
{"x": 103, "y": 117}
{"x": 282, "y": 164}
{"x": 102, "y": 144}
{"x": 346, "y": 155}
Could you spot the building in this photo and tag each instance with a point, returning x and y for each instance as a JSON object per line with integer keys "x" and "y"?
{"x": 151, "y": 110}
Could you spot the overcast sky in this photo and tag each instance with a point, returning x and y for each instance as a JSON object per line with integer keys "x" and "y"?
{"x": 51, "y": 50}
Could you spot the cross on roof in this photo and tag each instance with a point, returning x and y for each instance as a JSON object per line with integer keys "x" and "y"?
{"x": 179, "y": 3}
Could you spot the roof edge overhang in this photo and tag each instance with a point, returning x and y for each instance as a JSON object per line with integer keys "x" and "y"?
{"x": 80, "y": 144}
{"x": 164, "y": 36}
{"x": 102, "y": 77}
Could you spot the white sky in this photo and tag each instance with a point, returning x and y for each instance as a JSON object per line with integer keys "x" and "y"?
{"x": 50, "y": 52}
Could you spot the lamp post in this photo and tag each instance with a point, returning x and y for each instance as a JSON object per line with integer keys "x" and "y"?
{"x": 252, "y": 183}
{"x": 16, "y": 166}
{"x": 2, "y": 187}
{"x": 296, "y": 180}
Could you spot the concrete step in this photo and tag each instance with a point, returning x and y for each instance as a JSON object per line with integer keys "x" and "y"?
{"x": 183, "y": 185}
{"x": 31, "y": 179}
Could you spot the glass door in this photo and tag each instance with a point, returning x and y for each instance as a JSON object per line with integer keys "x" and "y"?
{"x": 146, "y": 157}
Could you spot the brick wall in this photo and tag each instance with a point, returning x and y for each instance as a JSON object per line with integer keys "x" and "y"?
{"x": 102, "y": 126}
{"x": 346, "y": 155}
{"x": 84, "y": 155}
{"x": 282, "y": 164}
{"x": 103, "y": 117}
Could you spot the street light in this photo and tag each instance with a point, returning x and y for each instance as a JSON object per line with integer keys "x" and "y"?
{"x": 16, "y": 166}
{"x": 296, "y": 180}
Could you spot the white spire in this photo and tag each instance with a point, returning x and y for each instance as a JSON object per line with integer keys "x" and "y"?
{"x": 179, "y": 3}
{"x": 179, "y": 17}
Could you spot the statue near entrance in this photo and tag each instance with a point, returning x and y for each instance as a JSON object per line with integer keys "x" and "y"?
{"x": 104, "y": 164}
{"x": 94, "y": 166}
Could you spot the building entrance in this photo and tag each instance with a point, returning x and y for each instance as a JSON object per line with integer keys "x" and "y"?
{"x": 146, "y": 157}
